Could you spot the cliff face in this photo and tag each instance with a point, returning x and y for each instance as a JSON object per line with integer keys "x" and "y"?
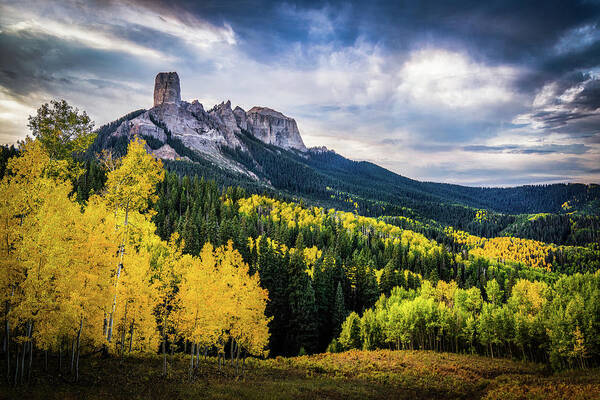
{"x": 273, "y": 127}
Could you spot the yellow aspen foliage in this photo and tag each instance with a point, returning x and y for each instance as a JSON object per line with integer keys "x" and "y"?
{"x": 524, "y": 251}
{"x": 445, "y": 292}
{"x": 528, "y": 297}
{"x": 314, "y": 217}
{"x": 45, "y": 256}
{"x": 132, "y": 185}
{"x": 26, "y": 195}
{"x": 130, "y": 188}
{"x": 135, "y": 325}
{"x": 59, "y": 260}
{"x": 218, "y": 300}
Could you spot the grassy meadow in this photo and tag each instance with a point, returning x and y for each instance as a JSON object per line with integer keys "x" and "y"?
{"x": 381, "y": 374}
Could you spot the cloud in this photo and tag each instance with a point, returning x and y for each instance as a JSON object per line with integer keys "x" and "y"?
{"x": 578, "y": 148}
{"x": 570, "y": 106}
{"x": 436, "y": 77}
{"x": 83, "y": 36}
{"x": 578, "y": 38}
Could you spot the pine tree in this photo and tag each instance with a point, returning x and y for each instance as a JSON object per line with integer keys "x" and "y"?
{"x": 301, "y": 330}
{"x": 339, "y": 310}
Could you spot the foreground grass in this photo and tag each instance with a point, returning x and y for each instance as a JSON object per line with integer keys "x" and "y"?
{"x": 351, "y": 375}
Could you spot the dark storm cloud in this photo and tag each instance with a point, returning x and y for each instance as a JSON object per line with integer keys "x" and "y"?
{"x": 501, "y": 30}
{"x": 570, "y": 105}
{"x": 589, "y": 97}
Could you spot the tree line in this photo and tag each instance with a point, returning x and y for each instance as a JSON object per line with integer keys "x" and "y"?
{"x": 556, "y": 324}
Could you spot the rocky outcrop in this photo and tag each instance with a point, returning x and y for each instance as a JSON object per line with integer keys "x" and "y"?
{"x": 273, "y": 127}
{"x": 240, "y": 117}
{"x": 166, "y": 152}
{"x": 166, "y": 88}
{"x": 142, "y": 126}
{"x": 196, "y": 107}
{"x": 224, "y": 115}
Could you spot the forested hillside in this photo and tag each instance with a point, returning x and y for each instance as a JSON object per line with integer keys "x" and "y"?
{"x": 325, "y": 178}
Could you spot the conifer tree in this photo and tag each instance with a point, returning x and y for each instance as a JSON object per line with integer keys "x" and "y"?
{"x": 301, "y": 330}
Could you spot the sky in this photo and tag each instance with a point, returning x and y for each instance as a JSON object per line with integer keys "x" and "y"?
{"x": 480, "y": 93}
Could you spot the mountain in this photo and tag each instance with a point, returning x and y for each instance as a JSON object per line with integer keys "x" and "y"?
{"x": 262, "y": 149}
{"x": 177, "y": 129}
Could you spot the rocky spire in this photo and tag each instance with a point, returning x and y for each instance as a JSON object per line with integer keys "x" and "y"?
{"x": 166, "y": 88}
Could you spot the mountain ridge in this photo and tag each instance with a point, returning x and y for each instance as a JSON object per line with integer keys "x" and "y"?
{"x": 263, "y": 149}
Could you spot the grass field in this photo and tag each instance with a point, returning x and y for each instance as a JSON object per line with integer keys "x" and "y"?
{"x": 351, "y": 375}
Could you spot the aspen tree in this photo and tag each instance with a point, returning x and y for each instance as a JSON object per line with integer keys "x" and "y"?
{"x": 130, "y": 188}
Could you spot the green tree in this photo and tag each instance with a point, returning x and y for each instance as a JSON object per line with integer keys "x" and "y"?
{"x": 302, "y": 327}
{"x": 62, "y": 130}
{"x": 339, "y": 310}
{"x": 493, "y": 291}
{"x": 350, "y": 336}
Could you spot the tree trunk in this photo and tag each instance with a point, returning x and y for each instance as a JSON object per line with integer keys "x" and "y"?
{"x": 78, "y": 349}
{"x": 114, "y": 305}
{"x": 119, "y": 268}
{"x": 30, "y": 351}
{"x": 24, "y": 353}
{"x": 237, "y": 359}
{"x": 73, "y": 355}
{"x": 122, "y": 345}
{"x": 191, "y": 361}
{"x": 105, "y": 326}
{"x": 131, "y": 336}
{"x": 7, "y": 348}
{"x": 164, "y": 346}
{"x": 244, "y": 365}
{"x": 17, "y": 366}
{"x": 7, "y": 327}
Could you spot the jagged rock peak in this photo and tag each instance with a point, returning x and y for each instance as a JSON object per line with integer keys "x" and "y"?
{"x": 223, "y": 113}
{"x": 166, "y": 88}
{"x": 240, "y": 117}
